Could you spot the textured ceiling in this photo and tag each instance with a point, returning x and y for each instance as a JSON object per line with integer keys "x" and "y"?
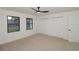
{"x": 51, "y": 9}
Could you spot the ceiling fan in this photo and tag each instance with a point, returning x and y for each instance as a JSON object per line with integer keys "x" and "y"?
{"x": 39, "y": 11}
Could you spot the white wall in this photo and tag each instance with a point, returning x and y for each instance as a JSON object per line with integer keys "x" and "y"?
{"x": 7, "y": 37}
{"x": 56, "y": 24}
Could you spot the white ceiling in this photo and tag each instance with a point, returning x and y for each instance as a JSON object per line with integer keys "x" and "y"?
{"x": 51, "y": 9}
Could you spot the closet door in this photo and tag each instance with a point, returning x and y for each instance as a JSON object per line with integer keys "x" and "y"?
{"x": 57, "y": 27}
{"x": 73, "y": 29}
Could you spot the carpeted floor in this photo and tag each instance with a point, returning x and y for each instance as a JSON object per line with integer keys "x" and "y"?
{"x": 40, "y": 42}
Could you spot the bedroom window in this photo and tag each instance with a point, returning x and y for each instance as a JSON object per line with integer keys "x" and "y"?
{"x": 13, "y": 24}
{"x": 29, "y": 23}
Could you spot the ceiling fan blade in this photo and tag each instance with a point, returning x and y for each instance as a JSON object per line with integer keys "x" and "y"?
{"x": 34, "y": 9}
{"x": 44, "y": 11}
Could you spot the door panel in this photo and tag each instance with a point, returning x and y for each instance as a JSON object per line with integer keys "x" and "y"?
{"x": 74, "y": 27}
{"x": 57, "y": 27}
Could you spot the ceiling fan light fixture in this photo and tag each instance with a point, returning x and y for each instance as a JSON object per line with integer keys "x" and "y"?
{"x": 38, "y": 12}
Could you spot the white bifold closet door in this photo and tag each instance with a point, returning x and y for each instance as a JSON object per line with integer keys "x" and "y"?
{"x": 73, "y": 27}
{"x": 57, "y": 27}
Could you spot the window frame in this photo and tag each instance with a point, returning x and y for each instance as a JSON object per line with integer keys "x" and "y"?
{"x": 17, "y": 23}
{"x": 30, "y": 19}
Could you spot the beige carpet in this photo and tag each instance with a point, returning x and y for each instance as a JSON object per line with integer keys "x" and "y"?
{"x": 40, "y": 42}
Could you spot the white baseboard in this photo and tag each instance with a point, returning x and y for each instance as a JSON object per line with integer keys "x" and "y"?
{"x": 10, "y": 40}
{"x": 73, "y": 40}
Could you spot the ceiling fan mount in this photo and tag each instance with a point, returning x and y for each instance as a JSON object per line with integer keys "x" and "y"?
{"x": 39, "y": 11}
